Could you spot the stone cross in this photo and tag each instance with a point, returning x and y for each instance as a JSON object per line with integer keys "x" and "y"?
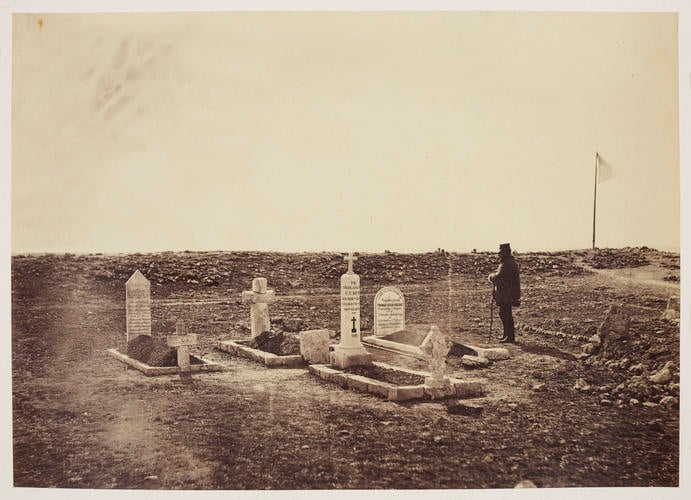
{"x": 259, "y": 298}
{"x": 138, "y": 306}
{"x": 435, "y": 347}
{"x": 349, "y": 259}
{"x": 182, "y": 340}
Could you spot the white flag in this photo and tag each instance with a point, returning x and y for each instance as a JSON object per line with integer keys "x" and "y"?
{"x": 604, "y": 170}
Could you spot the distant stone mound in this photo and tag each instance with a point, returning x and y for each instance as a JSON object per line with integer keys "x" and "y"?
{"x": 276, "y": 343}
{"x": 618, "y": 258}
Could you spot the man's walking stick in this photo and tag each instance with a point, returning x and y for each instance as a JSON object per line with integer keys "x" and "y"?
{"x": 491, "y": 314}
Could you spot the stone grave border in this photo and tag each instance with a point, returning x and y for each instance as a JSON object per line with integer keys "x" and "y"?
{"x": 268, "y": 359}
{"x": 490, "y": 353}
{"x": 396, "y": 346}
{"x": 392, "y": 392}
{"x": 150, "y": 371}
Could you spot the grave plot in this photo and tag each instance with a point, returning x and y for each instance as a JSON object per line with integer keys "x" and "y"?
{"x": 390, "y": 332}
{"x": 409, "y": 341}
{"x": 351, "y": 365}
{"x": 274, "y": 349}
{"x": 155, "y": 355}
{"x": 399, "y": 384}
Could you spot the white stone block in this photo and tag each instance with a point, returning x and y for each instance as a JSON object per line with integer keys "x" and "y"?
{"x": 314, "y": 345}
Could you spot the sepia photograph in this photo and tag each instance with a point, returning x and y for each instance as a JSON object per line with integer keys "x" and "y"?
{"x": 346, "y": 248}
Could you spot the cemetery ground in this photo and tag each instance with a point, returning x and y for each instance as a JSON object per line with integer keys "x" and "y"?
{"x": 83, "y": 420}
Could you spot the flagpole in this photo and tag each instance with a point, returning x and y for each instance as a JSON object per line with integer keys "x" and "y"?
{"x": 597, "y": 158}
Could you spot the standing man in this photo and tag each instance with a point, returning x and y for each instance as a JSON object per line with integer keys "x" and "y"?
{"x": 507, "y": 291}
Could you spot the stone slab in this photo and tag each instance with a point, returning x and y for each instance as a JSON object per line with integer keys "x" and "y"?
{"x": 492, "y": 353}
{"x": 345, "y": 359}
{"x": 396, "y": 346}
{"x": 468, "y": 388}
{"x": 268, "y": 359}
{"x": 323, "y": 372}
{"x": 474, "y": 361}
{"x": 357, "y": 382}
{"x": 405, "y": 392}
{"x": 439, "y": 392}
{"x": 314, "y": 345}
{"x": 149, "y": 371}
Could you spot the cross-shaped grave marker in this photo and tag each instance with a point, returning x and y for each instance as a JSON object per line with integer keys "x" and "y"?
{"x": 350, "y": 258}
{"x": 259, "y": 298}
{"x": 182, "y": 340}
{"x": 436, "y": 347}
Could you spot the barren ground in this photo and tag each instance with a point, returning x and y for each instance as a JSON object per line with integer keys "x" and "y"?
{"x": 82, "y": 420}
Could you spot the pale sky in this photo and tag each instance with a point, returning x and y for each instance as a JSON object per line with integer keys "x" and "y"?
{"x": 340, "y": 131}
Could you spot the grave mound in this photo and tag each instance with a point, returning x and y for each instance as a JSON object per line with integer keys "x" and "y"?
{"x": 277, "y": 343}
{"x": 154, "y": 351}
{"x": 388, "y": 375}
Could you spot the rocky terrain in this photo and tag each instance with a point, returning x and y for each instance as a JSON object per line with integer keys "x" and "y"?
{"x": 577, "y": 381}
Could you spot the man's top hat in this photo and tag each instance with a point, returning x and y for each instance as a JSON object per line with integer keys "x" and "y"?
{"x": 505, "y": 249}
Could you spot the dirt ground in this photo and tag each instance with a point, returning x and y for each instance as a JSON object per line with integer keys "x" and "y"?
{"x": 84, "y": 420}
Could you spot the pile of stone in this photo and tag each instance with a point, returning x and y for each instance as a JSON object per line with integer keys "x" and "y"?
{"x": 608, "y": 258}
{"x": 642, "y": 356}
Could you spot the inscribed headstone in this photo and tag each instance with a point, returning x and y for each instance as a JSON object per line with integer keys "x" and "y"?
{"x": 389, "y": 311}
{"x": 350, "y": 351}
{"x": 138, "y": 305}
{"x": 350, "y": 306}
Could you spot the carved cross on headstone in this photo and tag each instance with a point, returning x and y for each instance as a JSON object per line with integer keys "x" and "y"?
{"x": 182, "y": 340}
{"x": 259, "y": 298}
{"x": 350, "y": 259}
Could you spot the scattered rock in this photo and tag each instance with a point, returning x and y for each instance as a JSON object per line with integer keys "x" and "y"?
{"x": 672, "y": 310}
{"x": 582, "y": 386}
{"x": 638, "y": 368}
{"x": 525, "y": 483}
{"x": 669, "y": 401}
{"x": 589, "y": 348}
{"x": 663, "y": 376}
